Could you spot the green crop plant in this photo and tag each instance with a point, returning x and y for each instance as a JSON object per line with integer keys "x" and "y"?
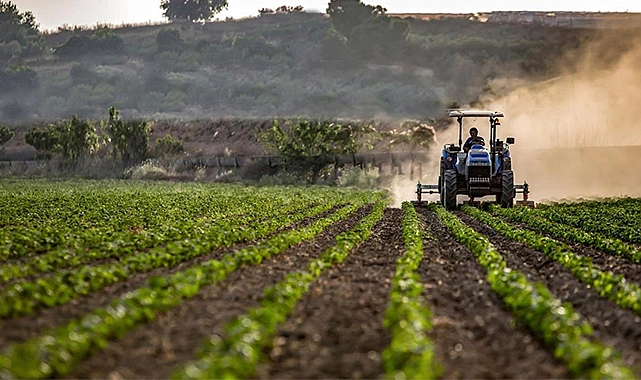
{"x": 555, "y": 323}
{"x": 58, "y": 351}
{"x": 248, "y": 335}
{"x": 607, "y": 284}
{"x": 410, "y": 354}
{"x": 612, "y": 246}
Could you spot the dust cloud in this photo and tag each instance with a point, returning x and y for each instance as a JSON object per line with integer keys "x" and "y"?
{"x": 579, "y": 135}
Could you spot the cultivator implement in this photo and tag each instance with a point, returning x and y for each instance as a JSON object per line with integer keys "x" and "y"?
{"x": 434, "y": 189}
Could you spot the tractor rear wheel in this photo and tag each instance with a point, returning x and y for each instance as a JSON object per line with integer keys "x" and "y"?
{"x": 507, "y": 189}
{"x": 449, "y": 184}
{"x": 441, "y": 189}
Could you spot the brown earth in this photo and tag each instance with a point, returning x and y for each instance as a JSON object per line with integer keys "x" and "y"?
{"x": 475, "y": 335}
{"x": 336, "y": 330}
{"x": 613, "y": 325}
{"x": 153, "y": 351}
{"x": 22, "y": 328}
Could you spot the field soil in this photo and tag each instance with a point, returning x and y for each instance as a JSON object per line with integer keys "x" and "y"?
{"x": 154, "y": 350}
{"x": 336, "y": 329}
{"x": 475, "y": 336}
{"x": 617, "y": 327}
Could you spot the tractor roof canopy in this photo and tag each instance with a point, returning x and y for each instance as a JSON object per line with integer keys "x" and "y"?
{"x": 475, "y": 113}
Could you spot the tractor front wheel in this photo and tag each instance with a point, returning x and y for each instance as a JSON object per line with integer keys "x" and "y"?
{"x": 449, "y": 184}
{"x": 506, "y": 199}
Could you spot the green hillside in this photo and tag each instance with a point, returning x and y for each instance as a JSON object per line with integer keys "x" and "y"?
{"x": 276, "y": 65}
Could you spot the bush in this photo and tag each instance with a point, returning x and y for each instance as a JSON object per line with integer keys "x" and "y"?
{"x": 73, "y": 139}
{"x": 104, "y": 41}
{"x": 18, "y": 77}
{"x": 307, "y": 145}
{"x": 169, "y": 39}
{"x": 82, "y": 74}
{"x": 356, "y": 177}
{"x": 6, "y": 134}
{"x": 130, "y": 139}
{"x": 169, "y": 146}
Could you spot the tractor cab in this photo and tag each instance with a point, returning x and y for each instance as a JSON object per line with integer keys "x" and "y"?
{"x": 482, "y": 171}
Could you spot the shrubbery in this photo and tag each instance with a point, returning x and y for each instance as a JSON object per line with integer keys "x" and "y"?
{"x": 130, "y": 139}
{"x": 104, "y": 41}
{"x": 18, "y": 77}
{"x": 73, "y": 139}
{"x": 6, "y": 134}
{"x": 169, "y": 146}
{"x": 169, "y": 39}
{"x": 19, "y": 34}
{"x": 307, "y": 145}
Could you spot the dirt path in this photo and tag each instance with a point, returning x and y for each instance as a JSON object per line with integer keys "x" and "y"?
{"x": 155, "y": 350}
{"x": 475, "y": 336}
{"x": 336, "y": 330}
{"x": 613, "y": 325}
{"x": 22, "y": 328}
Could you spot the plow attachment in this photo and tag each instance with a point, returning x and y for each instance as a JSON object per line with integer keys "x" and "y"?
{"x": 434, "y": 189}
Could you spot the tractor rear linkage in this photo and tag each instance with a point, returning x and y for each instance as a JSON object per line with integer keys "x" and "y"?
{"x": 433, "y": 189}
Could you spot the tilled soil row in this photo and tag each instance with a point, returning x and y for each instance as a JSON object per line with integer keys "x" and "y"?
{"x": 336, "y": 330}
{"x": 601, "y": 260}
{"x": 156, "y": 349}
{"x": 475, "y": 336}
{"x": 23, "y": 328}
{"x": 613, "y": 325}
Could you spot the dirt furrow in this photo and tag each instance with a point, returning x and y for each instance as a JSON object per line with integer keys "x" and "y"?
{"x": 475, "y": 336}
{"x": 156, "y": 349}
{"x": 19, "y": 329}
{"x": 601, "y": 260}
{"x": 613, "y": 325}
{"x": 336, "y": 330}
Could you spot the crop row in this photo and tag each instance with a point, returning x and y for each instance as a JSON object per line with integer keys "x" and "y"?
{"x": 606, "y": 284}
{"x": 410, "y": 354}
{"x": 24, "y": 297}
{"x": 248, "y": 336}
{"x": 92, "y": 204}
{"x": 602, "y": 220}
{"x": 151, "y": 213}
{"x": 60, "y": 350}
{"x": 124, "y": 245}
{"x": 555, "y": 323}
{"x": 611, "y": 246}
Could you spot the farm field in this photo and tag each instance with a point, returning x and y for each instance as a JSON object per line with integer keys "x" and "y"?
{"x": 126, "y": 279}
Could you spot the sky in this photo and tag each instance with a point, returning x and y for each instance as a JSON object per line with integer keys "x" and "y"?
{"x": 53, "y": 13}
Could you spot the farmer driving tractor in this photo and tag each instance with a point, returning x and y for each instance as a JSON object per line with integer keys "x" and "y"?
{"x": 474, "y": 139}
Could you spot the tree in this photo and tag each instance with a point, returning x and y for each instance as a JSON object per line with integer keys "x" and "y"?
{"x": 6, "y": 134}
{"x": 348, "y": 14}
{"x": 307, "y": 145}
{"x": 130, "y": 139}
{"x": 20, "y": 28}
{"x": 192, "y": 10}
{"x": 43, "y": 139}
{"x": 76, "y": 138}
{"x": 73, "y": 139}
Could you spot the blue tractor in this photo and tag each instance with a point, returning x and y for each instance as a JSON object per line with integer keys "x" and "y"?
{"x": 482, "y": 171}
